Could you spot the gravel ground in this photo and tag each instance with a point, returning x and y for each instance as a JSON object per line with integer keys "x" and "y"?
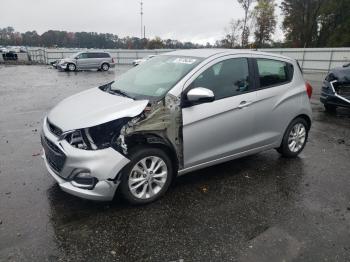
{"x": 259, "y": 208}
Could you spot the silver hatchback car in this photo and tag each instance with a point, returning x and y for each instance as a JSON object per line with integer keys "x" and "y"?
{"x": 174, "y": 114}
{"x": 86, "y": 61}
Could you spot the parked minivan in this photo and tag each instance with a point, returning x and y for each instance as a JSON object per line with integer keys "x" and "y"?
{"x": 173, "y": 114}
{"x": 86, "y": 60}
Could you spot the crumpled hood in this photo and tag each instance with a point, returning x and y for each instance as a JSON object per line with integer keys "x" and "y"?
{"x": 341, "y": 74}
{"x": 93, "y": 107}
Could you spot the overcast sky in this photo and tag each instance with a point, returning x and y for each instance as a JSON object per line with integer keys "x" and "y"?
{"x": 186, "y": 20}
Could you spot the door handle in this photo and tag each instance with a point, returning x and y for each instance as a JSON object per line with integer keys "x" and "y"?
{"x": 244, "y": 104}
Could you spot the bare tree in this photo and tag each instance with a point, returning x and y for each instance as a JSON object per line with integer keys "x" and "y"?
{"x": 246, "y": 4}
{"x": 233, "y": 33}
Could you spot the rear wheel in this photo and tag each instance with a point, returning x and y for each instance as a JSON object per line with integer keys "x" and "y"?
{"x": 294, "y": 139}
{"x": 147, "y": 177}
{"x": 105, "y": 67}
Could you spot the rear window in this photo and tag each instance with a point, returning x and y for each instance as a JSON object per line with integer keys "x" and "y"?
{"x": 104, "y": 55}
{"x": 274, "y": 72}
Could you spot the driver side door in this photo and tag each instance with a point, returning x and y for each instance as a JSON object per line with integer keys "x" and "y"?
{"x": 215, "y": 131}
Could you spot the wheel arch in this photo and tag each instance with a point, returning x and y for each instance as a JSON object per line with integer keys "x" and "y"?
{"x": 105, "y": 62}
{"x": 153, "y": 140}
{"x": 306, "y": 118}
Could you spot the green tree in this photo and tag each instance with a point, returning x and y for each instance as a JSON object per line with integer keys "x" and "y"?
{"x": 334, "y": 24}
{"x": 265, "y": 22}
{"x": 155, "y": 43}
{"x": 300, "y": 21}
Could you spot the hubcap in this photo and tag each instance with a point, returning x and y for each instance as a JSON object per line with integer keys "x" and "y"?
{"x": 148, "y": 177}
{"x": 105, "y": 67}
{"x": 71, "y": 67}
{"x": 297, "y": 138}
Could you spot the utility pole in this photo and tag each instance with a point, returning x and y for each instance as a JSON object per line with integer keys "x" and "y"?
{"x": 141, "y": 3}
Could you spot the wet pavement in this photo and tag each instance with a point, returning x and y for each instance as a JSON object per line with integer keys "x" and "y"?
{"x": 259, "y": 208}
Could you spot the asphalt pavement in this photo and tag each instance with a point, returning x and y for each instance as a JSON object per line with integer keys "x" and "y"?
{"x": 259, "y": 208}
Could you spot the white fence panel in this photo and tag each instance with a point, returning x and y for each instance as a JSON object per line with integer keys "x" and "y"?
{"x": 319, "y": 59}
{"x": 315, "y": 59}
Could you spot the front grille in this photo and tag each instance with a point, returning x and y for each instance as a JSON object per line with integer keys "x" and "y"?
{"x": 54, "y": 129}
{"x": 342, "y": 89}
{"x": 54, "y": 156}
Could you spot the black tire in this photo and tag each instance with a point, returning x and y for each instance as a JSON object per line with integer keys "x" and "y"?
{"x": 330, "y": 108}
{"x": 135, "y": 156}
{"x": 71, "y": 67}
{"x": 105, "y": 67}
{"x": 284, "y": 149}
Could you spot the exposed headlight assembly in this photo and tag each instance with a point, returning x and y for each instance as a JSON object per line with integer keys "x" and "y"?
{"x": 105, "y": 135}
{"x": 76, "y": 139}
{"x": 97, "y": 137}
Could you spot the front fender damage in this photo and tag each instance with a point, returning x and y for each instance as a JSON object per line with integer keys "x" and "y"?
{"x": 159, "y": 123}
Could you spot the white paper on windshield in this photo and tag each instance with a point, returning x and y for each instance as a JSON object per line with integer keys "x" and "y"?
{"x": 188, "y": 61}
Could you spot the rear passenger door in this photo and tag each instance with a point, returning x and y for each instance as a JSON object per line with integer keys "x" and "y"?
{"x": 275, "y": 101}
{"x": 224, "y": 127}
{"x": 94, "y": 60}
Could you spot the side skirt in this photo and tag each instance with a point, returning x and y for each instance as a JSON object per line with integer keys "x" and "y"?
{"x": 225, "y": 159}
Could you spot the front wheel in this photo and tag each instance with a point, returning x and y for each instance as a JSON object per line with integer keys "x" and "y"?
{"x": 147, "y": 177}
{"x": 295, "y": 138}
{"x": 71, "y": 67}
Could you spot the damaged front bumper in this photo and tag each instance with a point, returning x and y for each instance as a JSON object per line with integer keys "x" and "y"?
{"x": 65, "y": 162}
{"x": 61, "y": 66}
{"x": 336, "y": 94}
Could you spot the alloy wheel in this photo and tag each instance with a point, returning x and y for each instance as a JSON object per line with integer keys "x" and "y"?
{"x": 297, "y": 138}
{"x": 148, "y": 177}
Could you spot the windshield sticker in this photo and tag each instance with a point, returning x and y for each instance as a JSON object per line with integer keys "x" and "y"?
{"x": 188, "y": 61}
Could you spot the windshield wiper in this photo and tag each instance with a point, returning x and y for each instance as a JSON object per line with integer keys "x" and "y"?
{"x": 120, "y": 92}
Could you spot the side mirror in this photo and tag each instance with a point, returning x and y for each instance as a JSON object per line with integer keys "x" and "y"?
{"x": 200, "y": 95}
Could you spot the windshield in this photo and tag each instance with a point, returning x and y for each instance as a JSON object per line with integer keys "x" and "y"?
{"x": 155, "y": 77}
{"x": 73, "y": 56}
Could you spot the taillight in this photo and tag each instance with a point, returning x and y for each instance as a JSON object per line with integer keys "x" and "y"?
{"x": 308, "y": 89}
{"x": 112, "y": 60}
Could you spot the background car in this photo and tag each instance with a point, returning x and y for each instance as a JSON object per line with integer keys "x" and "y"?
{"x": 10, "y": 56}
{"x": 139, "y": 61}
{"x": 87, "y": 60}
{"x": 336, "y": 88}
{"x": 3, "y": 50}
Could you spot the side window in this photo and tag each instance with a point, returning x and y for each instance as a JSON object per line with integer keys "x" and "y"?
{"x": 104, "y": 55}
{"x": 83, "y": 55}
{"x": 92, "y": 55}
{"x": 225, "y": 79}
{"x": 273, "y": 72}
